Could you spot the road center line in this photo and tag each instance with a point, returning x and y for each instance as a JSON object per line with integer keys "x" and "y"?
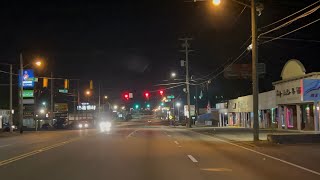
{"x": 266, "y": 155}
{"x": 177, "y": 143}
{"x": 22, "y": 156}
{"x": 192, "y": 158}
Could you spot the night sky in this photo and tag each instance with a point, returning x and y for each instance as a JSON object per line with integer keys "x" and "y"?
{"x": 133, "y": 45}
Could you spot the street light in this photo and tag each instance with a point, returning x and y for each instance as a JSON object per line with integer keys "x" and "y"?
{"x": 38, "y": 63}
{"x": 216, "y": 2}
{"x": 41, "y": 111}
{"x": 88, "y": 92}
{"x": 173, "y": 74}
{"x": 105, "y": 97}
{"x": 115, "y": 107}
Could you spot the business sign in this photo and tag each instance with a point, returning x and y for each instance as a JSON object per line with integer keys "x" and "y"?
{"x": 27, "y": 94}
{"x": 27, "y": 78}
{"x": 192, "y": 110}
{"x": 61, "y": 107}
{"x": 310, "y": 90}
{"x": 243, "y": 71}
{"x": 86, "y": 107}
{"x": 28, "y": 101}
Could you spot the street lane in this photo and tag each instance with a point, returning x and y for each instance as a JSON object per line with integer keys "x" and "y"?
{"x": 149, "y": 152}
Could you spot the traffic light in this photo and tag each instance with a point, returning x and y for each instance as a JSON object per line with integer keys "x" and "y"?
{"x": 45, "y": 82}
{"x": 148, "y": 105}
{"x": 66, "y": 84}
{"x": 126, "y": 96}
{"x": 161, "y": 92}
{"x": 91, "y": 85}
{"x": 136, "y": 106}
{"x": 147, "y": 95}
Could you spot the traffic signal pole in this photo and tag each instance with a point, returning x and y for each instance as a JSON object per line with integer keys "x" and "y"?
{"x": 21, "y": 96}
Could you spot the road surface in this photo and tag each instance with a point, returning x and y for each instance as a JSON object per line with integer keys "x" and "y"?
{"x": 142, "y": 151}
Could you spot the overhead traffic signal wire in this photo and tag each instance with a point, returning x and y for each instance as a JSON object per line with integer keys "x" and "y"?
{"x": 289, "y": 16}
{"x": 291, "y": 31}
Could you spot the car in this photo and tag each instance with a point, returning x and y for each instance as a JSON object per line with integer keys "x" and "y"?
{"x": 6, "y": 127}
{"x": 83, "y": 125}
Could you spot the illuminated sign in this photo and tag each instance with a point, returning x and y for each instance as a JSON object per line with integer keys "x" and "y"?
{"x": 27, "y": 94}
{"x": 27, "y": 78}
{"x": 311, "y": 90}
{"x": 86, "y": 107}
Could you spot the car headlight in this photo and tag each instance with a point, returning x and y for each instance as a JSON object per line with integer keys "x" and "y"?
{"x": 13, "y": 127}
{"x": 80, "y": 125}
{"x": 86, "y": 125}
{"x": 105, "y": 126}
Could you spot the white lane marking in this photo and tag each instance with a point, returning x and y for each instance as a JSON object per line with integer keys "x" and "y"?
{"x": 129, "y": 135}
{"x": 177, "y": 143}
{"x": 192, "y": 158}
{"x": 169, "y": 135}
{"x": 180, "y": 146}
{"x": 266, "y": 155}
{"x": 6, "y": 145}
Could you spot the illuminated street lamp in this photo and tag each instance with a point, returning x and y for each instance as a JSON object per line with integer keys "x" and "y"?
{"x": 115, "y": 107}
{"x": 105, "y": 97}
{"x": 173, "y": 74}
{"x": 38, "y": 63}
{"x": 216, "y": 2}
{"x": 41, "y": 111}
{"x": 88, "y": 92}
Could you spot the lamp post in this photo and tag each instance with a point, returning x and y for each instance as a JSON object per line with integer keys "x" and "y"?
{"x": 254, "y": 51}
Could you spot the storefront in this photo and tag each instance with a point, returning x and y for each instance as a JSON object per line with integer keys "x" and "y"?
{"x": 223, "y": 114}
{"x": 294, "y": 111}
{"x": 233, "y": 112}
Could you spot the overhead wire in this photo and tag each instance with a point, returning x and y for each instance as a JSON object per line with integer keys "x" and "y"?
{"x": 291, "y": 21}
{"x": 289, "y": 15}
{"x": 291, "y": 31}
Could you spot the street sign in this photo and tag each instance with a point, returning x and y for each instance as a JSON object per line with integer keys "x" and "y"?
{"x": 63, "y": 90}
{"x": 28, "y": 101}
{"x": 27, "y": 94}
{"x": 170, "y": 97}
{"x": 167, "y": 100}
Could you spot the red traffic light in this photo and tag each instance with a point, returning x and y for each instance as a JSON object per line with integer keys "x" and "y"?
{"x": 147, "y": 95}
{"x": 126, "y": 96}
{"x": 161, "y": 92}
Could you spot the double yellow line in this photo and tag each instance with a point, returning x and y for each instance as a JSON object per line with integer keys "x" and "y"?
{"x": 22, "y": 156}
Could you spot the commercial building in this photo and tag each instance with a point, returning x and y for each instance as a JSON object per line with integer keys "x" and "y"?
{"x": 295, "y": 110}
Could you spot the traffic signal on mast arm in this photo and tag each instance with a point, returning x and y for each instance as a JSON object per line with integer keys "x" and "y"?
{"x": 161, "y": 92}
{"x": 147, "y": 95}
{"x": 126, "y": 96}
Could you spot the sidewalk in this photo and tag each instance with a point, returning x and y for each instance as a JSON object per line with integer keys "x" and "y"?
{"x": 244, "y": 134}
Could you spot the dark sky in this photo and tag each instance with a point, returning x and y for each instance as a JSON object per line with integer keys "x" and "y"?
{"x": 134, "y": 44}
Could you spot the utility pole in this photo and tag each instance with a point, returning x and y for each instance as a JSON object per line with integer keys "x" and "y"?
{"x": 187, "y": 50}
{"x": 51, "y": 101}
{"x": 99, "y": 106}
{"x": 11, "y": 118}
{"x": 21, "y": 95}
{"x": 255, "y": 79}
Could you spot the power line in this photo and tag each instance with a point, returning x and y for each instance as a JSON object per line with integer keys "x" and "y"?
{"x": 289, "y": 16}
{"x": 290, "y": 32}
{"x": 292, "y": 39}
{"x": 291, "y": 21}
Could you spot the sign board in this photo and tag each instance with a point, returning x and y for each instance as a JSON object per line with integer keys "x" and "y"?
{"x": 170, "y": 97}
{"x": 27, "y": 93}
{"x": 60, "y": 115}
{"x": 61, "y": 107}
{"x": 28, "y": 114}
{"x": 192, "y": 110}
{"x": 243, "y": 71}
{"x": 167, "y": 100}
{"x": 310, "y": 90}
{"x": 86, "y": 107}
{"x": 27, "y": 78}
{"x": 63, "y": 90}
{"x": 28, "y": 101}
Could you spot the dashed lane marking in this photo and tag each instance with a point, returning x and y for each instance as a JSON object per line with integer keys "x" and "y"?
{"x": 192, "y": 158}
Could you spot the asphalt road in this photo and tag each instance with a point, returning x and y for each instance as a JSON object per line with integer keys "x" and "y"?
{"x": 140, "y": 150}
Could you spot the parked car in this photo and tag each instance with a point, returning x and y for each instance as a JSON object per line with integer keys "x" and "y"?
{"x": 6, "y": 127}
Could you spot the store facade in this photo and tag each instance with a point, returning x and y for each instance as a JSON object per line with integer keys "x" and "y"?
{"x": 294, "y": 111}
{"x": 222, "y": 109}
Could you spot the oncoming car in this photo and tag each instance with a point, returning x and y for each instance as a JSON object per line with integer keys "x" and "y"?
{"x": 83, "y": 125}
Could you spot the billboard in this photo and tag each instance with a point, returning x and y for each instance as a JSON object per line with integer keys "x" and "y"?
{"x": 310, "y": 90}
{"x": 61, "y": 107}
{"x": 27, "y": 78}
{"x": 192, "y": 110}
{"x": 242, "y": 71}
